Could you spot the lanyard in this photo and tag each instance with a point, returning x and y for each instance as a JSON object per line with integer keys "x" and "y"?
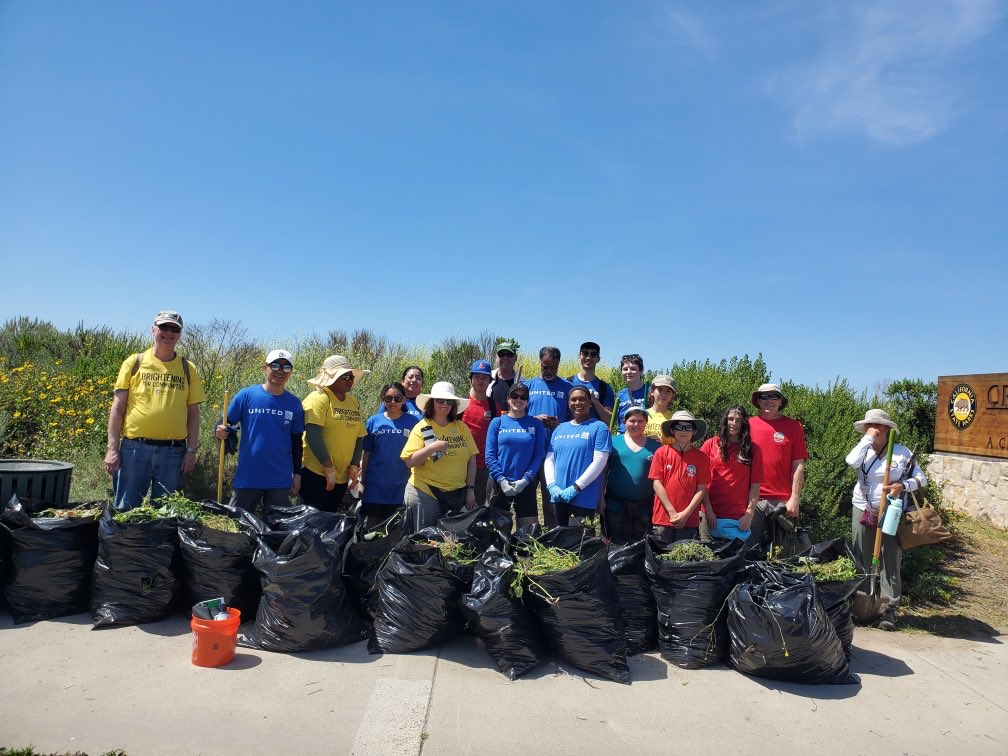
{"x": 867, "y": 472}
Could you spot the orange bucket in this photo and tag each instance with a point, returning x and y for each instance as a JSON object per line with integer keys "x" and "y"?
{"x": 214, "y": 641}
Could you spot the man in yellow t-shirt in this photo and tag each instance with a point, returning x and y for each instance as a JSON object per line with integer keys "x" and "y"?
{"x": 153, "y": 425}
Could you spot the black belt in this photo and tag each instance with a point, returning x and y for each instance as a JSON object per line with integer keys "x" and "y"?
{"x": 158, "y": 442}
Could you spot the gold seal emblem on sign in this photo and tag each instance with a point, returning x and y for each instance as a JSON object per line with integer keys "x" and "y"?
{"x": 962, "y": 406}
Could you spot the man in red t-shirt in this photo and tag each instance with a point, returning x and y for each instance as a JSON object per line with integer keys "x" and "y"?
{"x": 782, "y": 442}
{"x": 680, "y": 475}
{"x": 478, "y": 416}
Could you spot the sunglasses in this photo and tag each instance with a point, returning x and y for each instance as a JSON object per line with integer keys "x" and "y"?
{"x": 170, "y": 328}
{"x": 444, "y": 401}
{"x": 346, "y": 377}
{"x": 683, "y": 427}
{"x": 397, "y": 398}
{"x": 769, "y": 396}
{"x": 589, "y": 353}
{"x": 522, "y": 397}
{"x": 280, "y": 367}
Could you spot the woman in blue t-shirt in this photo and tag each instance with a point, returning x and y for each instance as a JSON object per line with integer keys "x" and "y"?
{"x": 386, "y": 474}
{"x": 577, "y": 455}
{"x": 515, "y": 447}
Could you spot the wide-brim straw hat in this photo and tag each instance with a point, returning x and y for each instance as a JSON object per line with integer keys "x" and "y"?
{"x": 332, "y": 368}
{"x": 442, "y": 390}
{"x": 684, "y": 416}
{"x": 768, "y": 388}
{"x": 875, "y": 417}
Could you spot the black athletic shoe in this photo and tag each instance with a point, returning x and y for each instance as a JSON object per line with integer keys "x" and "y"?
{"x": 888, "y": 621}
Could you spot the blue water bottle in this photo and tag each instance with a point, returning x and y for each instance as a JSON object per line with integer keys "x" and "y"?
{"x": 893, "y": 515}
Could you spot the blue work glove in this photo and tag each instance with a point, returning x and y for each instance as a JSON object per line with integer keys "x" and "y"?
{"x": 520, "y": 485}
{"x": 568, "y": 494}
{"x": 555, "y": 492}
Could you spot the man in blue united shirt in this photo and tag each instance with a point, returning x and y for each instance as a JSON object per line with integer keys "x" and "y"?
{"x": 548, "y": 402}
{"x": 271, "y": 420}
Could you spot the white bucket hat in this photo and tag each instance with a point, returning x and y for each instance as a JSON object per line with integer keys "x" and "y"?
{"x": 684, "y": 416}
{"x": 332, "y": 368}
{"x": 442, "y": 390}
{"x": 768, "y": 388}
{"x": 875, "y": 417}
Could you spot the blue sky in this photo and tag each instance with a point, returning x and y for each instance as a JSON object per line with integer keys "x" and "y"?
{"x": 825, "y": 183}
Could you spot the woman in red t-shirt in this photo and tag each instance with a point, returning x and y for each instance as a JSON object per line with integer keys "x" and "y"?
{"x": 736, "y": 474}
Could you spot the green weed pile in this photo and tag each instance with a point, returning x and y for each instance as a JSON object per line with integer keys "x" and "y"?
{"x": 541, "y": 560}
{"x": 841, "y": 569}
{"x": 77, "y": 513}
{"x": 688, "y": 551}
{"x": 454, "y": 551}
{"x": 177, "y": 505}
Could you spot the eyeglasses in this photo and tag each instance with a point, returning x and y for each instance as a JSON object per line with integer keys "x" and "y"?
{"x": 170, "y": 328}
{"x": 397, "y": 398}
{"x": 589, "y": 353}
{"x": 521, "y": 397}
{"x": 444, "y": 401}
{"x": 769, "y": 396}
{"x": 683, "y": 427}
{"x": 280, "y": 366}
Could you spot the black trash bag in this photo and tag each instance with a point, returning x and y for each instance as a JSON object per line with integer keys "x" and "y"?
{"x": 637, "y": 603}
{"x": 569, "y": 537}
{"x": 365, "y": 555}
{"x": 302, "y": 516}
{"x": 134, "y": 579}
{"x": 691, "y": 602}
{"x": 508, "y": 629}
{"x": 483, "y": 526}
{"x": 217, "y": 563}
{"x": 579, "y": 609}
{"x": 836, "y": 594}
{"x": 779, "y": 629}
{"x": 463, "y": 569}
{"x": 304, "y": 604}
{"x": 416, "y": 599}
{"x": 50, "y": 560}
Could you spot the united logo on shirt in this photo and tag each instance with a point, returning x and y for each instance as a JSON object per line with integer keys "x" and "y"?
{"x": 288, "y": 417}
{"x": 778, "y": 437}
{"x": 691, "y": 470}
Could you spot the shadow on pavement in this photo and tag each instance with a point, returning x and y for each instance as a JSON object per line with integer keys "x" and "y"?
{"x": 951, "y": 626}
{"x": 865, "y": 662}
{"x": 822, "y": 692}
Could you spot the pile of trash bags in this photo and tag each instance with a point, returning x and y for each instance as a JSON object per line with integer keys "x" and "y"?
{"x": 306, "y": 580}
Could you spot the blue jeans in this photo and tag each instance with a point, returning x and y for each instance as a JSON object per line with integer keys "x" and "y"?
{"x": 143, "y": 467}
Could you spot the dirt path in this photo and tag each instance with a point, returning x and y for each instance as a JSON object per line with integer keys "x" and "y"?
{"x": 979, "y": 607}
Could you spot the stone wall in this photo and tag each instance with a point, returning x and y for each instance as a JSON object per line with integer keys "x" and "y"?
{"x": 975, "y": 485}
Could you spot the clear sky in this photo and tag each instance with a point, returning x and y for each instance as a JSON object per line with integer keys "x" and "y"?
{"x": 822, "y": 182}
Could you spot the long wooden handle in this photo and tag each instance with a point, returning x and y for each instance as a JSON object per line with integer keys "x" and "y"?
{"x": 883, "y": 498}
{"x": 220, "y": 458}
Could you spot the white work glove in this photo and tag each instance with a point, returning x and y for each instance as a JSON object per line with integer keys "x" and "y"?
{"x": 520, "y": 485}
{"x": 507, "y": 488}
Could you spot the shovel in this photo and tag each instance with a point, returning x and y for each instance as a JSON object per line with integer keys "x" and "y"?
{"x": 868, "y": 607}
{"x": 220, "y": 457}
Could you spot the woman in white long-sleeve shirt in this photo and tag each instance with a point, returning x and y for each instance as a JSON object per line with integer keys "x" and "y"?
{"x": 577, "y": 455}
{"x": 868, "y": 460}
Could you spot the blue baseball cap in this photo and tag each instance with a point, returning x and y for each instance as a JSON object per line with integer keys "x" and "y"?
{"x": 480, "y": 367}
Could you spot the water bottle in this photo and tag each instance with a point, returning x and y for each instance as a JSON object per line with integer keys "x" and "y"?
{"x": 893, "y": 515}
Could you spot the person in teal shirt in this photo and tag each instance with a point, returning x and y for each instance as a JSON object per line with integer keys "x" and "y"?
{"x": 629, "y": 495}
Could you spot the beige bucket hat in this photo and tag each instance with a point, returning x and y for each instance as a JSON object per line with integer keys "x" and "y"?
{"x": 768, "y": 388}
{"x": 332, "y": 368}
{"x": 875, "y": 417}
{"x": 684, "y": 416}
{"x": 442, "y": 390}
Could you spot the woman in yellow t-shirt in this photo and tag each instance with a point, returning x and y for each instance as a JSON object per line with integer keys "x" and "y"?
{"x": 334, "y": 435}
{"x": 663, "y": 394}
{"x": 441, "y": 455}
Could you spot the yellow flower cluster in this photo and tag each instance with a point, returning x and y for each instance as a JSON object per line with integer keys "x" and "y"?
{"x": 50, "y": 412}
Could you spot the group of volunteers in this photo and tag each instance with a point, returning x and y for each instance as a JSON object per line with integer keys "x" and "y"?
{"x": 507, "y": 439}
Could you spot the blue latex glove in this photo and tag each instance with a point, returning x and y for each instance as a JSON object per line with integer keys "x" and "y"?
{"x": 555, "y": 492}
{"x": 568, "y": 494}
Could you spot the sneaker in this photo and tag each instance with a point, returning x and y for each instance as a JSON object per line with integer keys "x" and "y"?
{"x": 888, "y": 621}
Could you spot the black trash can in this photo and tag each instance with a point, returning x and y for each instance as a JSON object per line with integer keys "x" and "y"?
{"x": 43, "y": 479}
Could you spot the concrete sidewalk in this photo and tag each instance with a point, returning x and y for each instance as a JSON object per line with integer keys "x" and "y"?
{"x": 68, "y": 688}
